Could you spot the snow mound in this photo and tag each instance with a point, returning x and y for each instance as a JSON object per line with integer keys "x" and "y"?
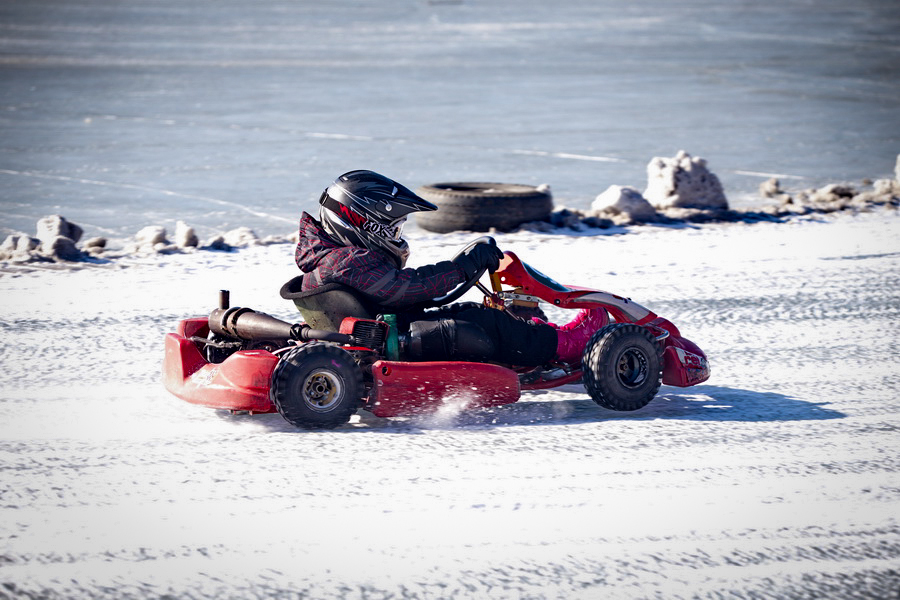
{"x": 624, "y": 206}
{"x": 54, "y": 226}
{"x": 185, "y": 237}
{"x": 624, "y": 200}
{"x": 683, "y": 182}
{"x": 56, "y": 241}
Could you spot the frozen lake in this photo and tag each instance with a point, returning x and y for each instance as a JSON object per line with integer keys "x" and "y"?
{"x": 120, "y": 115}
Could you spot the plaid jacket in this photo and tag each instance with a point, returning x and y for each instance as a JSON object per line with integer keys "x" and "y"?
{"x": 325, "y": 261}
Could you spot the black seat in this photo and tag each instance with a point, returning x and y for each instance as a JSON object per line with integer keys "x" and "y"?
{"x": 326, "y": 306}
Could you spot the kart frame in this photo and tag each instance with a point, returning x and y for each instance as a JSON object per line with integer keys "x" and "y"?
{"x": 244, "y": 380}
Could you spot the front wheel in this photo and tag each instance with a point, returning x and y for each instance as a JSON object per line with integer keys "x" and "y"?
{"x": 317, "y": 386}
{"x": 622, "y": 367}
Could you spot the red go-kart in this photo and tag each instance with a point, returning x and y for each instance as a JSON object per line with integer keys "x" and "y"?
{"x": 343, "y": 358}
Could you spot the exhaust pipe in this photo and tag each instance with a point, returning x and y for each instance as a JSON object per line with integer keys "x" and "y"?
{"x": 247, "y": 324}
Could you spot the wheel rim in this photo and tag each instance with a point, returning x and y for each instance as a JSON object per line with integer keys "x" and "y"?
{"x": 322, "y": 390}
{"x": 632, "y": 368}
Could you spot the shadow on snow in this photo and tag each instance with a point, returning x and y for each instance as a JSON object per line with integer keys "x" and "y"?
{"x": 701, "y": 403}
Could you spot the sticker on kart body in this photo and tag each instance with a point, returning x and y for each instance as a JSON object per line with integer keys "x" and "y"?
{"x": 205, "y": 376}
{"x": 697, "y": 367}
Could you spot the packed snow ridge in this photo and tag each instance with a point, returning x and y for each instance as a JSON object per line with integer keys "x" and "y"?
{"x": 679, "y": 190}
{"x": 683, "y": 190}
{"x": 56, "y": 241}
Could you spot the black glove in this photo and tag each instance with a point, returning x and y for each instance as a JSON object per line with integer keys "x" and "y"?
{"x": 478, "y": 257}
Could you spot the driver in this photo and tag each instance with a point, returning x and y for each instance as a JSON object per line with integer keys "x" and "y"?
{"x": 357, "y": 242}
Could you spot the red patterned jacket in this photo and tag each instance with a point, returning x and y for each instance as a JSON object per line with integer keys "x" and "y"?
{"x": 325, "y": 261}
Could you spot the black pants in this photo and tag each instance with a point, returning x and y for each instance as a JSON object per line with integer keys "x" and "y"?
{"x": 470, "y": 331}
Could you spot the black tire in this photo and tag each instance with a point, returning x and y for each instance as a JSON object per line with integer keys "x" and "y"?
{"x": 482, "y": 206}
{"x": 317, "y": 386}
{"x": 622, "y": 367}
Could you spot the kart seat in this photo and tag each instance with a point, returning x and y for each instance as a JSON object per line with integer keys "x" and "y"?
{"x": 326, "y": 306}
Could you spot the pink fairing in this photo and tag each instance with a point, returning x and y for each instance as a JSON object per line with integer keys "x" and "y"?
{"x": 572, "y": 337}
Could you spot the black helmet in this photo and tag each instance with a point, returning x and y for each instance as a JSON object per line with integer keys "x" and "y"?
{"x": 363, "y": 208}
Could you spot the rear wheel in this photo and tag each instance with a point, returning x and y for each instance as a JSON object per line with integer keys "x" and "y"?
{"x": 622, "y": 367}
{"x": 317, "y": 386}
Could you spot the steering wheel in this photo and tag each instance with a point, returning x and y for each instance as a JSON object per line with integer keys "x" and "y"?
{"x": 457, "y": 293}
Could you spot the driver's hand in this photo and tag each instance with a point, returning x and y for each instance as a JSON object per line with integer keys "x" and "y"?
{"x": 478, "y": 257}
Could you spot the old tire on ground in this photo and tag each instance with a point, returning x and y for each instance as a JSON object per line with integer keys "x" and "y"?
{"x": 622, "y": 366}
{"x": 482, "y": 206}
{"x": 317, "y": 386}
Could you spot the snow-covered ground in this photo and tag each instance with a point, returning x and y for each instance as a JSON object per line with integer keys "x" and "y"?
{"x": 778, "y": 478}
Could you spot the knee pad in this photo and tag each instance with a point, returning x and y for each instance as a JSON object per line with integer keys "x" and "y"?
{"x": 448, "y": 339}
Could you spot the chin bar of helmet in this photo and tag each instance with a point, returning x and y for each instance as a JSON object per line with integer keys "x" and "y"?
{"x": 247, "y": 324}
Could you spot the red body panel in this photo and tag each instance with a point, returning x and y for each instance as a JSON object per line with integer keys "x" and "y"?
{"x": 684, "y": 364}
{"x": 513, "y": 272}
{"x": 189, "y": 328}
{"x": 407, "y": 388}
{"x": 239, "y": 383}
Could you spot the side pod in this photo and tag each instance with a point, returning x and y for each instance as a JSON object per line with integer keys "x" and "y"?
{"x": 409, "y": 388}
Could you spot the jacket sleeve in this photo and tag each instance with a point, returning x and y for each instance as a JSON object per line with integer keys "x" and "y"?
{"x": 399, "y": 288}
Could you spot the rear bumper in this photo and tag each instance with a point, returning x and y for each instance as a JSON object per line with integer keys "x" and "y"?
{"x": 240, "y": 383}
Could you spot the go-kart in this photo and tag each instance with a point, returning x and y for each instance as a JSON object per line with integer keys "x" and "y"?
{"x": 343, "y": 357}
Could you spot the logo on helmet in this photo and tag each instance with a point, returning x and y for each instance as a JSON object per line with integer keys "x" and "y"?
{"x": 385, "y": 231}
{"x": 356, "y": 219}
{"x": 368, "y": 225}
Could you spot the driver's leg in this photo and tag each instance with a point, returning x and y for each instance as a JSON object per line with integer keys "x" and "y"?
{"x": 444, "y": 338}
{"x": 471, "y": 331}
{"x": 574, "y": 336}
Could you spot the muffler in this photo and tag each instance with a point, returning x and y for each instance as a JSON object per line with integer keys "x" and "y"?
{"x": 247, "y": 324}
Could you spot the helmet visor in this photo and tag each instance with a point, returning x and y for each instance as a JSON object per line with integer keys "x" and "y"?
{"x": 394, "y": 231}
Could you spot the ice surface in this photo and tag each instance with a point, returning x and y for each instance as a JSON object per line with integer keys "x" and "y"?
{"x": 778, "y": 478}
{"x": 225, "y": 114}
